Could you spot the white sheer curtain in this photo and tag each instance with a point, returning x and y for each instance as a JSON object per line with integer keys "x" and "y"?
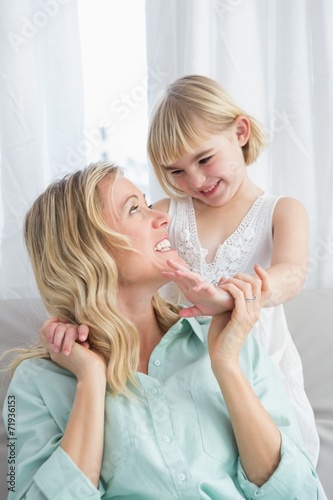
{"x": 41, "y": 119}
{"x": 275, "y": 57}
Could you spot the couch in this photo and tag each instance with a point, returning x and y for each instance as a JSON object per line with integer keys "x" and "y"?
{"x": 309, "y": 318}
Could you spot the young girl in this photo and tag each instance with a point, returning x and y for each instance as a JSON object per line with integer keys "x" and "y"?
{"x": 200, "y": 144}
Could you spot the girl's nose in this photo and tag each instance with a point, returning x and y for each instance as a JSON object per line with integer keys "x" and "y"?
{"x": 196, "y": 179}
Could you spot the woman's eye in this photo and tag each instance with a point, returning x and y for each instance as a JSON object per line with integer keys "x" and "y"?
{"x": 205, "y": 160}
{"x": 134, "y": 209}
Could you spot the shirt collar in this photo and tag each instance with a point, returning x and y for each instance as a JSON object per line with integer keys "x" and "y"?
{"x": 198, "y": 325}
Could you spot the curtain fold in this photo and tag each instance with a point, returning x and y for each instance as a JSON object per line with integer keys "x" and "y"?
{"x": 275, "y": 59}
{"x": 42, "y": 120}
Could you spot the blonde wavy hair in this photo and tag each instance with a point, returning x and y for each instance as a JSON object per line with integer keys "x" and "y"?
{"x": 71, "y": 248}
{"x": 190, "y": 110}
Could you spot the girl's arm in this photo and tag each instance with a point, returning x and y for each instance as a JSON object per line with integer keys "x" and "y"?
{"x": 84, "y": 434}
{"x": 162, "y": 205}
{"x": 61, "y": 335}
{"x": 289, "y": 263}
{"x": 288, "y": 269}
{"x": 207, "y": 299}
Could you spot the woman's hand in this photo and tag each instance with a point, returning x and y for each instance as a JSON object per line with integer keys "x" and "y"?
{"x": 266, "y": 288}
{"x": 228, "y": 331}
{"x": 61, "y": 335}
{"x": 207, "y": 299}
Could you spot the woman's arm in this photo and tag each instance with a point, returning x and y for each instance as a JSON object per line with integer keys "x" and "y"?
{"x": 258, "y": 439}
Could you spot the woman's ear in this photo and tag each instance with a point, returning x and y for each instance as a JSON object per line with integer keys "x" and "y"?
{"x": 242, "y": 129}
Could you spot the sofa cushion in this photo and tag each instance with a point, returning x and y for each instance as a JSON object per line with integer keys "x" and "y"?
{"x": 19, "y": 323}
{"x": 310, "y": 320}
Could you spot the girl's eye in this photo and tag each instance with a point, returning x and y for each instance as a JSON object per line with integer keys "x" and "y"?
{"x": 150, "y": 206}
{"x": 134, "y": 209}
{"x": 176, "y": 172}
{"x": 205, "y": 160}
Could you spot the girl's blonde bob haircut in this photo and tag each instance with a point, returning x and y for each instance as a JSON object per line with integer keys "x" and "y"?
{"x": 189, "y": 111}
{"x": 71, "y": 250}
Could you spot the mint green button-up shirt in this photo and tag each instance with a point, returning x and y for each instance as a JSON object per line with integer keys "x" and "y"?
{"x": 172, "y": 441}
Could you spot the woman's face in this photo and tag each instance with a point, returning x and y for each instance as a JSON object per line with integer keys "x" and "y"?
{"x": 125, "y": 210}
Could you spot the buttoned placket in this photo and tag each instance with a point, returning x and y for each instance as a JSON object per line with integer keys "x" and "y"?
{"x": 160, "y": 414}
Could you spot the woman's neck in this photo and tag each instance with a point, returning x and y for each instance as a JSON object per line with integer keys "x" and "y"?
{"x": 139, "y": 310}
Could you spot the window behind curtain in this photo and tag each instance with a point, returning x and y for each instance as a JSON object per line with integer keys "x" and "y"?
{"x": 113, "y": 44}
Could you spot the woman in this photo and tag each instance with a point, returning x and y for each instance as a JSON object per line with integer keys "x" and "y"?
{"x": 157, "y": 407}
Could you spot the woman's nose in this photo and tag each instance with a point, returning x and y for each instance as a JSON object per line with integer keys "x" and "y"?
{"x": 161, "y": 218}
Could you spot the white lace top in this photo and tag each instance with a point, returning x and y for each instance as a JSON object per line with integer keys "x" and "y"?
{"x": 251, "y": 243}
{"x": 238, "y": 253}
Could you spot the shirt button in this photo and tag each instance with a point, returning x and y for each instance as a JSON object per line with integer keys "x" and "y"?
{"x": 179, "y": 326}
{"x": 181, "y": 476}
{"x": 166, "y": 439}
{"x": 157, "y": 362}
{"x": 154, "y": 391}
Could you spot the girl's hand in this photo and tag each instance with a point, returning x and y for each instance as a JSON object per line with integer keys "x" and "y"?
{"x": 61, "y": 335}
{"x": 228, "y": 331}
{"x": 207, "y": 299}
{"x": 79, "y": 360}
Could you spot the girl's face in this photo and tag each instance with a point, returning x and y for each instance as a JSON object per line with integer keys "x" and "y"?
{"x": 125, "y": 210}
{"x": 215, "y": 171}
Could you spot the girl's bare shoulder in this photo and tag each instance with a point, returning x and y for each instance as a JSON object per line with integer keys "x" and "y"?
{"x": 162, "y": 205}
{"x": 289, "y": 207}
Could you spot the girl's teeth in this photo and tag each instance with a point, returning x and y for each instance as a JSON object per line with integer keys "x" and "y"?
{"x": 163, "y": 246}
{"x": 210, "y": 189}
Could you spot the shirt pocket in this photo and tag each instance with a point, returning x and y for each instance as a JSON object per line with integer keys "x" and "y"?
{"x": 217, "y": 435}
